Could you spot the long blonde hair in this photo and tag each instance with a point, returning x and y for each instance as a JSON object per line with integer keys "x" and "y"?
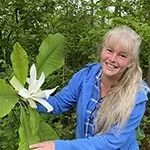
{"x": 118, "y": 104}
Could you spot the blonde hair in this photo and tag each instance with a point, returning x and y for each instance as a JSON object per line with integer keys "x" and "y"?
{"x": 118, "y": 104}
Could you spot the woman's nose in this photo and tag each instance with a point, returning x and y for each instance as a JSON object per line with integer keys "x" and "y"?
{"x": 113, "y": 57}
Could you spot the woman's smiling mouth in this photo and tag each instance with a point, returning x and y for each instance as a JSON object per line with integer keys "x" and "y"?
{"x": 111, "y": 66}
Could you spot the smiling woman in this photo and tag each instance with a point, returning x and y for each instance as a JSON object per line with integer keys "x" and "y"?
{"x": 122, "y": 73}
{"x": 110, "y": 98}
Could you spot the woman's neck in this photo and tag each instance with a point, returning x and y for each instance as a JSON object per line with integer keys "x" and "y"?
{"x": 106, "y": 84}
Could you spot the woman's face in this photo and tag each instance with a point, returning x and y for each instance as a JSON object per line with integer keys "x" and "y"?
{"x": 115, "y": 60}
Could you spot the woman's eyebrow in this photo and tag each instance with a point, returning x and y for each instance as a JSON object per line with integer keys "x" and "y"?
{"x": 122, "y": 51}
{"x": 109, "y": 47}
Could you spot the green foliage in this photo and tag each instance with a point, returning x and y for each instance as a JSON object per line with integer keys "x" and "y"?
{"x": 19, "y": 61}
{"x": 83, "y": 23}
{"x": 9, "y": 130}
{"x": 63, "y": 124}
{"x": 50, "y": 57}
{"x": 8, "y": 98}
{"x": 144, "y": 140}
{"x": 140, "y": 135}
{"x": 26, "y": 132}
{"x": 32, "y": 128}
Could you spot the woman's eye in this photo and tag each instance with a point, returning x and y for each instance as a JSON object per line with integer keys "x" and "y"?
{"x": 109, "y": 50}
{"x": 124, "y": 56}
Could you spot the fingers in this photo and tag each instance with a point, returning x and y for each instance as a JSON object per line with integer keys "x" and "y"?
{"x": 48, "y": 145}
{"x": 34, "y": 146}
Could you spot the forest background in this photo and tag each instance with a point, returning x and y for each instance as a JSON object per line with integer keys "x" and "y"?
{"x": 83, "y": 23}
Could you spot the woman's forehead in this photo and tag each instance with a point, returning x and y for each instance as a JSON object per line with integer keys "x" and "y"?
{"x": 124, "y": 44}
{"x": 120, "y": 49}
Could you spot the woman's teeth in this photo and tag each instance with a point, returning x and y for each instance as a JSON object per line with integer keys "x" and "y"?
{"x": 110, "y": 66}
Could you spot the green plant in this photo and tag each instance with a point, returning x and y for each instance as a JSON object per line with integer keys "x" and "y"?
{"x": 50, "y": 58}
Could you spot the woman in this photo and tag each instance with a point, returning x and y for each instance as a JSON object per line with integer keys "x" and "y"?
{"x": 110, "y": 98}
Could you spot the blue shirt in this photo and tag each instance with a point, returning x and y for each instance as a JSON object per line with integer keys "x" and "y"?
{"x": 92, "y": 107}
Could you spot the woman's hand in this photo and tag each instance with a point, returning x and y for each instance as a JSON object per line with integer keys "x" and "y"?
{"x": 48, "y": 145}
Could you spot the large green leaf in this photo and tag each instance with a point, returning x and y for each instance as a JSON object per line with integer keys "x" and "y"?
{"x": 33, "y": 129}
{"x": 19, "y": 61}
{"x": 51, "y": 54}
{"x": 8, "y": 98}
{"x": 46, "y": 132}
{"x": 40, "y": 128}
{"x": 25, "y": 131}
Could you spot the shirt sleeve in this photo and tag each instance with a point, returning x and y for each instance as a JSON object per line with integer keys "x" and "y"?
{"x": 67, "y": 97}
{"x": 108, "y": 141}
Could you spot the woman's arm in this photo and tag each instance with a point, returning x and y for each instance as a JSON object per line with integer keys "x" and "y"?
{"x": 67, "y": 97}
{"x": 108, "y": 141}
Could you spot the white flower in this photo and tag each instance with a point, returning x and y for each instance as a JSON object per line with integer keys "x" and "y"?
{"x": 33, "y": 93}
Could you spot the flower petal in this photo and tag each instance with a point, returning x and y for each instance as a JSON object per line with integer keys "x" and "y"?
{"x": 32, "y": 103}
{"x": 24, "y": 93}
{"x": 49, "y": 92}
{"x": 16, "y": 84}
{"x": 32, "y": 80}
{"x": 44, "y": 103}
{"x": 44, "y": 93}
{"x": 39, "y": 82}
